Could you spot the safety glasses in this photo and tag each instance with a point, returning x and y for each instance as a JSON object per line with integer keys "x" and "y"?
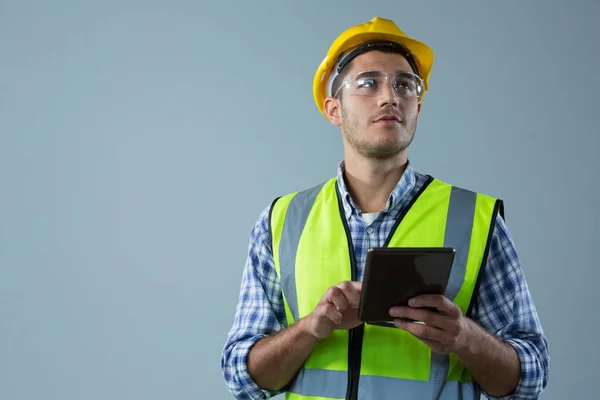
{"x": 370, "y": 83}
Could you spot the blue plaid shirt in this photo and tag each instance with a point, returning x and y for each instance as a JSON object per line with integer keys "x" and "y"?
{"x": 503, "y": 304}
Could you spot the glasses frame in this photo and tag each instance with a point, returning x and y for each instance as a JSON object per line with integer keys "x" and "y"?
{"x": 346, "y": 83}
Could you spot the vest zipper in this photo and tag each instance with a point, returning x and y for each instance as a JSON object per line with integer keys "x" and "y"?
{"x": 354, "y": 359}
{"x": 355, "y": 339}
{"x": 355, "y": 335}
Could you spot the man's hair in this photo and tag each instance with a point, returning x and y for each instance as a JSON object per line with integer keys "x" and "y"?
{"x": 345, "y": 63}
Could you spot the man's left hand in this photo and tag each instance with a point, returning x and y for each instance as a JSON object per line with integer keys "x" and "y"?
{"x": 444, "y": 331}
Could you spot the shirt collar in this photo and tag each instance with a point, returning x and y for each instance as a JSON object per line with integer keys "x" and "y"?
{"x": 404, "y": 186}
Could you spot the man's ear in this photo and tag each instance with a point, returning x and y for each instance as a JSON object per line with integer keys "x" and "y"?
{"x": 332, "y": 109}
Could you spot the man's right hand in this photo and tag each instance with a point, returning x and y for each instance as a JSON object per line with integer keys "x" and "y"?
{"x": 337, "y": 309}
{"x": 274, "y": 360}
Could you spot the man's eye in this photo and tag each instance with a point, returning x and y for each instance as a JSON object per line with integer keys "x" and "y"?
{"x": 366, "y": 83}
{"x": 404, "y": 84}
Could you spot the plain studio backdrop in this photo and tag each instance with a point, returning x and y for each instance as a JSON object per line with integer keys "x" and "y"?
{"x": 139, "y": 142}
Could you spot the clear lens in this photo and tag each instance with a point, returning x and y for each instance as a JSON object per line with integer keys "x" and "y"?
{"x": 369, "y": 83}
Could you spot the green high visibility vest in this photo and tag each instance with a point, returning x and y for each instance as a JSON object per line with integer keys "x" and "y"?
{"x": 313, "y": 250}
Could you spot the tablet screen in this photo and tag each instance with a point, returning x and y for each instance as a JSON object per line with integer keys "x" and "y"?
{"x": 394, "y": 275}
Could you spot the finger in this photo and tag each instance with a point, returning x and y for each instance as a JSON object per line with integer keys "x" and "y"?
{"x": 330, "y": 311}
{"x": 435, "y": 346}
{"x": 439, "y": 302}
{"x": 430, "y": 318}
{"x": 338, "y": 298}
{"x": 423, "y": 331}
{"x": 357, "y": 286}
{"x": 351, "y": 291}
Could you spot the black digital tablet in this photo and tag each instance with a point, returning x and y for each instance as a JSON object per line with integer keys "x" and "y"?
{"x": 394, "y": 275}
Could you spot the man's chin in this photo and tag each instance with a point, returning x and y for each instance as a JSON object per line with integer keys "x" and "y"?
{"x": 382, "y": 152}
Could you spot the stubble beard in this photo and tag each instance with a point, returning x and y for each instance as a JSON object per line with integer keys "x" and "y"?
{"x": 384, "y": 149}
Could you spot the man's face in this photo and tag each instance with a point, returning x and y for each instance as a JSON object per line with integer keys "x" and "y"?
{"x": 360, "y": 116}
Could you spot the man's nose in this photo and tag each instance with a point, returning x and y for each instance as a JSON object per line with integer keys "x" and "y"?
{"x": 387, "y": 95}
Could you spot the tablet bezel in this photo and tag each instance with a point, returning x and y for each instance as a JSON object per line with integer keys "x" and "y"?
{"x": 371, "y": 268}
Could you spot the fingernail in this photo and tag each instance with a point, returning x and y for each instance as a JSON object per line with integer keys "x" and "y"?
{"x": 412, "y": 302}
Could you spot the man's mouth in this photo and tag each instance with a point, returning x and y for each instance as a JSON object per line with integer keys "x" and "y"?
{"x": 388, "y": 119}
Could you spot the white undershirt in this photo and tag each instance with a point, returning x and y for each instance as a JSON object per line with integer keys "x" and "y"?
{"x": 369, "y": 217}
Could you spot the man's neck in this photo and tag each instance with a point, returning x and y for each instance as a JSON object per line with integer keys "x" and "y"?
{"x": 371, "y": 182}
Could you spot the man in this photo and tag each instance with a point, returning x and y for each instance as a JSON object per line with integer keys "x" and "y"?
{"x": 296, "y": 329}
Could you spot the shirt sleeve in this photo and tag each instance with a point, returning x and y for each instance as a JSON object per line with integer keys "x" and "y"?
{"x": 260, "y": 311}
{"x": 504, "y": 306}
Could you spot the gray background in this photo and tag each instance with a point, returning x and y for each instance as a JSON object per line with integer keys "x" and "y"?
{"x": 139, "y": 141}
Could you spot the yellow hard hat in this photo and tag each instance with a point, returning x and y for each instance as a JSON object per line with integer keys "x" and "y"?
{"x": 375, "y": 30}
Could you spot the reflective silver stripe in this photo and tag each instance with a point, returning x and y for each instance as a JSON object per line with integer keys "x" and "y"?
{"x": 332, "y": 384}
{"x": 382, "y": 388}
{"x": 459, "y": 225}
{"x": 293, "y": 225}
{"x": 321, "y": 383}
